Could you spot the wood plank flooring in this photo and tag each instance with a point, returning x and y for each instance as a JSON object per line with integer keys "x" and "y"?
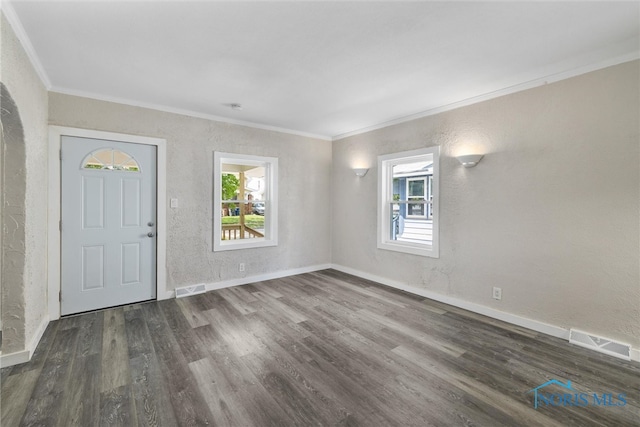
{"x": 317, "y": 349}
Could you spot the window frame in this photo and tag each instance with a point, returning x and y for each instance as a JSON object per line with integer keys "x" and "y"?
{"x": 270, "y": 201}
{"x": 385, "y": 201}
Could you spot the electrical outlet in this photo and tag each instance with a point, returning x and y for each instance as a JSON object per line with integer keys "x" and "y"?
{"x": 241, "y": 266}
{"x": 497, "y": 293}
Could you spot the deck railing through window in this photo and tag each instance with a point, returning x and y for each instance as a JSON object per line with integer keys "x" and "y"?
{"x": 237, "y": 231}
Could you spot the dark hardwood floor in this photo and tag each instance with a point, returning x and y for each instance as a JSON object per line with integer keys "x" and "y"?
{"x": 318, "y": 349}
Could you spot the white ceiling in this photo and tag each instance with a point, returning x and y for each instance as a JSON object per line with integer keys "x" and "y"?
{"x": 322, "y": 68}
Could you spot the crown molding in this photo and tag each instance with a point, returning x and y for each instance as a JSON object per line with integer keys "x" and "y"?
{"x": 21, "y": 34}
{"x": 185, "y": 112}
{"x": 552, "y": 78}
{"x": 14, "y": 21}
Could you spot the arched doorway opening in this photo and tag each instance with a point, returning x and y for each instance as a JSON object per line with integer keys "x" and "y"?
{"x": 12, "y": 218}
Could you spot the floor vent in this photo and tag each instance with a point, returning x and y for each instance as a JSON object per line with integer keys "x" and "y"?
{"x": 190, "y": 290}
{"x": 603, "y": 345}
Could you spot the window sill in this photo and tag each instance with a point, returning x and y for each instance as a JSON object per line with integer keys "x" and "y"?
{"x": 230, "y": 245}
{"x": 420, "y": 250}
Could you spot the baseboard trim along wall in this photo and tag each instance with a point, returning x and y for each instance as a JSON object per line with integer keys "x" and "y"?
{"x": 16, "y": 358}
{"x": 524, "y": 322}
{"x": 247, "y": 279}
{"x": 25, "y": 355}
{"x": 262, "y": 277}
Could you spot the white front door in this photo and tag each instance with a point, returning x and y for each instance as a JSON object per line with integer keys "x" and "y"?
{"x": 108, "y": 223}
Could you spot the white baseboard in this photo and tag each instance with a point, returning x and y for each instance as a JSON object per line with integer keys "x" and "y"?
{"x": 535, "y": 325}
{"x": 258, "y": 278}
{"x": 16, "y": 358}
{"x": 25, "y": 355}
{"x": 166, "y": 295}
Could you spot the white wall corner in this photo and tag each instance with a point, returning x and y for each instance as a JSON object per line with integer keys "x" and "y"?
{"x": 25, "y": 355}
{"x": 35, "y": 340}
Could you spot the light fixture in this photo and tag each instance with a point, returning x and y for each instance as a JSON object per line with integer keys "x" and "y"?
{"x": 360, "y": 172}
{"x": 470, "y": 160}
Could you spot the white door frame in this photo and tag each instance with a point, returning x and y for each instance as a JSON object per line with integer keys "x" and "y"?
{"x": 54, "y": 234}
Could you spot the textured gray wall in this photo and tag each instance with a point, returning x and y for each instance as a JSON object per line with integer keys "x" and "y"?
{"x": 13, "y": 222}
{"x": 550, "y": 215}
{"x": 304, "y": 187}
{"x": 25, "y": 306}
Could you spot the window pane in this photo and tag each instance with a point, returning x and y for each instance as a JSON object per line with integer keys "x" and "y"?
{"x": 104, "y": 156}
{"x": 253, "y": 178}
{"x": 243, "y": 219}
{"x": 416, "y": 231}
{"x": 416, "y": 188}
{"x": 413, "y": 168}
{"x": 397, "y": 222}
{"x": 245, "y": 201}
{"x": 408, "y": 201}
{"x": 240, "y": 221}
{"x": 416, "y": 209}
{"x": 109, "y": 159}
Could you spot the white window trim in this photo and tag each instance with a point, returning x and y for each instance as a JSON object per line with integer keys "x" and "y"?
{"x": 270, "y": 202}
{"x": 385, "y": 197}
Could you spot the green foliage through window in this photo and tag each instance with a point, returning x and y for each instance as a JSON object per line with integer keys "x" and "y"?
{"x": 230, "y": 184}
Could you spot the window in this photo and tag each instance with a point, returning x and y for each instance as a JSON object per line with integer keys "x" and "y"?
{"x": 408, "y": 202}
{"x": 245, "y": 202}
{"x": 110, "y": 159}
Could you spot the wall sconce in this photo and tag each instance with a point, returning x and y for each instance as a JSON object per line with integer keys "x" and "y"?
{"x": 360, "y": 172}
{"x": 470, "y": 160}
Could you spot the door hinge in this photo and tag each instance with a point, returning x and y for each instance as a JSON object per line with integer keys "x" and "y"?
{"x": 60, "y": 225}
{"x": 60, "y": 296}
{"x": 60, "y": 154}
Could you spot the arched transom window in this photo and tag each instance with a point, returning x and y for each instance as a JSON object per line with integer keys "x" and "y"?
{"x": 110, "y": 159}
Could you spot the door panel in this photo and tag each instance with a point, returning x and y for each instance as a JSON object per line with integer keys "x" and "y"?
{"x": 130, "y": 203}
{"x": 92, "y": 202}
{"x": 92, "y": 267}
{"x": 131, "y": 266}
{"x": 108, "y": 200}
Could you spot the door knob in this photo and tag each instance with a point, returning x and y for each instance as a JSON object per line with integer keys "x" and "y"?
{"x": 150, "y": 234}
